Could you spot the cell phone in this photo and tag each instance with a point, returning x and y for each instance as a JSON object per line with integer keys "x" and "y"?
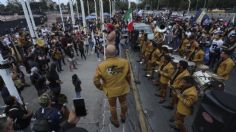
{"x": 80, "y": 108}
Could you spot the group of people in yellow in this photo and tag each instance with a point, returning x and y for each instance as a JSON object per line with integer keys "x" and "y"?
{"x": 178, "y": 78}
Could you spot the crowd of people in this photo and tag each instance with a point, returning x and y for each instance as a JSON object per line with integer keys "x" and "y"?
{"x": 210, "y": 43}
{"x": 44, "y": 59}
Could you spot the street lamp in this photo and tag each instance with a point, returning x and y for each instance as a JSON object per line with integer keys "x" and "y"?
{"x": 95, "y": 4}
{"x": 189, "y": 4}
{"x": 83, "y": 15}
{"x": 72, "y": 12}
{"x": 103, "y": 27}
{"x": 113, "y": 7}
{"x": 77, "y": 9}
{"x": 26, "y": 14}
{"x": 88, "y": 7}
{"x": 62, "y": 20}
{"x": 110, "y": 7}
{"x": 31, "y": 17}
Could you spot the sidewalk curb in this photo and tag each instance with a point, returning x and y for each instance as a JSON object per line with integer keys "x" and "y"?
{"x": 139, "y": 108}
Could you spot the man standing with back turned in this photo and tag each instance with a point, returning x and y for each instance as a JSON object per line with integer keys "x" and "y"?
{"x": 113, "y": 78}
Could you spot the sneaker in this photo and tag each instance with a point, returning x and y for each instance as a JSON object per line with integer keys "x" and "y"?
{"x": 148, "y": 75}
{"x": 168, "y": 107}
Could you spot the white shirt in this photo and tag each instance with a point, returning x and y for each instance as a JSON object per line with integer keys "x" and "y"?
{"x": 6, "y": 41}
{"x": 216, "y": 44}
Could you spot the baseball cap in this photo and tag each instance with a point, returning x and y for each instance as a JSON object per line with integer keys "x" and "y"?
{"x": 44, "y": 100}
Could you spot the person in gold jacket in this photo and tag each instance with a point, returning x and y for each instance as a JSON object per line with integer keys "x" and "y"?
{"x": 166, "y": 70}
{"x": 155, "y": 56}
{"x": 113, "y": 78}
{"x": 175, "y": 82}
{"x": 148, "y": 51}
{"x": 187, "y": 97}
{"x": 198, "y": 55}
{"x": 226, "y": 66}
{"x": 183, "y": 46}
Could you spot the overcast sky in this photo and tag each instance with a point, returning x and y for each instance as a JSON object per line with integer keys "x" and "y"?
{"x": 64, "y": 1}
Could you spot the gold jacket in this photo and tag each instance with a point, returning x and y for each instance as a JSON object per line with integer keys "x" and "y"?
{"x": 199, "y": 56}
{"x": 186, "y": 100}
{"x": 115, "y": 76}
{"x": 225, "y": 68}
{"x": 177, "y": 81}
{"x": 168, "y": 71}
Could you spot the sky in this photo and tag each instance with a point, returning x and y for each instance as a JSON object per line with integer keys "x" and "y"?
{"x": 64, "y": 1}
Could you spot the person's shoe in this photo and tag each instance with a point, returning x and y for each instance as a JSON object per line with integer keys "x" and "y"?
{"x": 123, "y": 120}
{"x": 148, "y": 75}
{"x": 174, "y": 127}
{"x": 158, "y": 95}
{"x": 162, "y": 101}
{"x": 115, "y": 124}
{"x": 155, "y": 82}
{"x": 171, "y": 120}
{"x": 168, "y": 107}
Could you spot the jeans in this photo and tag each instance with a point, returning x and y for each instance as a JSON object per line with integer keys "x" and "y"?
{"x": 58, "y": 64}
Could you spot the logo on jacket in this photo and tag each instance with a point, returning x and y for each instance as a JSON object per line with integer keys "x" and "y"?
{"x": 113, "y": 70}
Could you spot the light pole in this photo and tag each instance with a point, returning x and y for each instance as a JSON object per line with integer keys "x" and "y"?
{"x": 113, "y": 7}
{"x": 83, "y": 14}
{"x": 103, "y": 27}
{"x": 6, "y": 76}
{"x": 62, "y": 19}
{"x": 77, "y": 9}
{"x": 110, "y": 7}
{"x": 72, "y": 13}
{"x": 32, "y": 18}
{"x": 189, "y": 4}
{"x": 95, "y": 4}
{"x": 26, "y": 14}
{"x": 88, "y": 7}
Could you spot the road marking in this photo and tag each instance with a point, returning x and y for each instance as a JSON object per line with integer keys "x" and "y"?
{"x": 104, "y": 115}
{"x": 110, "y": 127}
{"x": 123, "y": 128}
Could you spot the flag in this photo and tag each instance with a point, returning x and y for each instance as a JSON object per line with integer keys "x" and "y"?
{"x": 127, "y": 14}
{"x": 131, "y": 26}
{"x": 201, "y": 17}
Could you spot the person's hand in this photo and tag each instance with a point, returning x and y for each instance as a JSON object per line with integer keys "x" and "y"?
{"x": 73, "y": 119}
